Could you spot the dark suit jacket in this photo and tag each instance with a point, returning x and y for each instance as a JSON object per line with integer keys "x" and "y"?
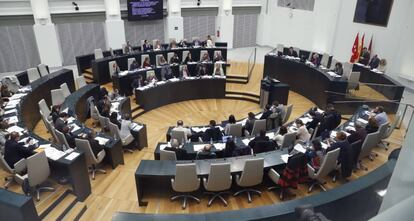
{"x": 314, "y": 123}
{"x": 249, "y": 124}
{"x": 60, "y": 124}
{"x": 252, "y": 143}
{"x": 133, "y": 66}
{"x": 331, "y": 121}
{"x": 359, "y": 134}
{"x": 344, "y": 147}
{"x": 266, "y": 114}
{"x": 374, "y": 63}
{"x": 180, "y": 153}
{"x": 146, "y": 47}
{"x": 293, "y": 54}
{"x": 212, "y": 133}
{"x": 264, "y": 146}
{"x": 116, "y": 122}
{"x": 70, "y": 138}
{"x": 14, "y": 152}
{"x": 365, "y": 58}
{"x": 186, "y": 60}
{"x": 55, "y": 116}
{"x": 96, "y": 147}
{"x": 206, "y": 155}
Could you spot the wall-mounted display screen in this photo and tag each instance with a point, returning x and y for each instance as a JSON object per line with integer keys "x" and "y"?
{"x": 373, "y": 12}
{"x": 145, "y": 10}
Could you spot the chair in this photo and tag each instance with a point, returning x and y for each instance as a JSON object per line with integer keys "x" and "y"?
{"x": 143, "y": 58}
{"x": 185, "y": 53}
{"x": 347, "y": 68}
{"x": 44, "y": 108}
{"x": 180, "y": 136}
{"x": 202, "y": 52}
{"x": 297, "y": 50}
{"x": 91, "y": 161}
{"x": 333, "y": 63}
{"x": 38, "y": 172}
{"x": 50, "y": 128}
{"x": 353, "y": 80}
{"x": 185, "y": 181}
{"x": 287, "y": 113}
{"x": 130, "y": 61}
{"x": 13, "y": 173}
{"x": 194, "y": 38}
{"x": 274, "y": 177}
{"x": 57, "y": 96}
{"x": 169, "y": 56}
{"x": 104, "y": 122}
{"x": 218, "y": 182}
{"x": 33, "y": 74}
{"x": 273, "y": 121}
{"x": 382, "y": 132}
{"x": 126, "y": 139}
{"x": 280, "y": 48}
{"x": 80, "y": 81}
{"x": 371, "y": 140}
{"x": 252, "y": 175}
{"x": 42, "y": 70}
{"x": 94, "y": 113}
{"x": 65, "y": 90}
{"x": 98, "y": 53}
{"x": 328, "y": 165}
{"x": 154, "y": 42}
{"x": 389, "y": 131}
{"x": 157, "y": 59}
{"x": 235, "y": 130}
{"x": 288, "y": 140}
{"x": 62, "y": 140}
{"x": 325, "y": 60}
{"x": 168, "y": 155}
{"x": 258, "y": 126}
{"x": 110, "y": 66}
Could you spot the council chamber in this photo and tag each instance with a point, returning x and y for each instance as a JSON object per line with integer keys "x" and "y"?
{"x": 206, "y": 110}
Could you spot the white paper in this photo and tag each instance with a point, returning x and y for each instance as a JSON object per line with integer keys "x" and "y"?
{"x": 137, "y": 127}
{"x": 15, "y": 129}
{"x": 299, "y": 148}
{"x": 10, "y": 111}
{"x": 324, "y": 145}
{"x": 259, "y": 115}
{"x": 66, "y": 110}
{"x": 350, "y": 128}
{"x": 199, "y": 129}
{"x": 333, "y": 134}
{"x": 52, "y": 153}
{"x": 362, "y": 121}
{"x": 270, "y": 134}
{"x": 12, "y": 120}
{"x": 74, "y": 127}
{"x": 163, "y": 146}
{"x": 198, "y": 147}
{"x": 33, "y": 141}
{"x": 285, "y": 157}
{"x": 72, "y": 156}
{"x": 305, "y": 120}
{"x": 71, "y": 119}
{"x": 246, "y": 141}
{"x": 101, "y": 140}
{"x": 17, "y": 96}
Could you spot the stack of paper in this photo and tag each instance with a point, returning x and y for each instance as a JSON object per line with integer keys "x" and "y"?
{"x": 220, "y": 146}
{"x": 333, "y": 74}
{"x": 350, "y": 128}
{"x": 17, "y": 96}
{"x": 102, "y": 140}
{"x": 52, "y": 153}
{"x": 163, "y": 146}
{"x": 198, "y": 147}
{"x": 285, "y": 157}
{"x": 199, "y": 129}
{"x": 324, "y": 145}
{"x": 12, "y": 120}
{"x": 71, "y": 119}
{"x": 11, "y": 111}
{"x": 362, "y": 121}
{"x": 305, "y": 120}
{"x": 270, "y": 135}
{"x": 15, "y": 129}
{"x": 72, "y": 156}
{"x": 137, "y": 127}
{"x": 74, "y": 127}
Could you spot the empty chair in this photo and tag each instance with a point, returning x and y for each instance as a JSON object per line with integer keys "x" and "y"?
{"x": 371, "y": 140}
{"x": 258, "y": 126}
{"x": 62, "y": 140}
{"x": 325, "y": 60}
{"x": 98, "y": 53}
{"x": 235, "y": 130}
{"x": 168, "y": 155}
{"x": 280, "y": 48}
{"x": 252, "y": 175}
{"x": 287, "y": 113}
{"x": 274, "y": 177}
{"x": 104, "y": 122}
{"x": 389, "y": 131}
{"x": 297, "y": 50}
{"x": 38, "y": 172}
{"x": 185, "y": 181}
{"x": 50, "y": 128}
{"x": 185, "y": 53}
{"x": 180, "y": 136}
{"x": 92, "y": 161}
{"x": 383, "y": 129}
{"x": 57, "y": 96}
{"x": 126, "y": 139}
{"x": 143, "y": 58}
{"x": 218, "y": 182}
{"x": 347, "y": 68}
{"x": 202, "y": 52}
{"x": 111, "y": 68}
{"x": 169, "y": 56}
{"x": 13, "y": 173}
{"x": 65, "y": 90}
{"x": 80, "y": 82}
{"x": 157, "y": 59}
{"x": 44, "y": 109}
{"x": 333, "y": 63}
{"x": 353, "y": 80}
{"x": 94, "y": 113}
{"x": 33, "y": 74}
{"x": 42, "y": 70}
{"x": 328, "y": 165}
{"x": 288, "y": 140}
{"x": 130, "y": 61}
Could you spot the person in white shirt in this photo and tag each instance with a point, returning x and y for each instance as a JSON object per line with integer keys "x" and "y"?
{"x": 279, "y": 137}
{"x": 232, "y": 120}
{"x": 180, "y": 127}
{"x": 380, "y": 115}
{"x": 209, "y": 42}
{"x": 302, "y": 133}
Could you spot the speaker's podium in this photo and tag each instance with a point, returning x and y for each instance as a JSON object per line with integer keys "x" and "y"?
{"x": 273, "y": 90}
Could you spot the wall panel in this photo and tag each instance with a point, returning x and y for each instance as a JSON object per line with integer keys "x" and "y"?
{"x": 245, "y": 28}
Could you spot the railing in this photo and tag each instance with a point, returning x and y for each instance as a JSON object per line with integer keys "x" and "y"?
{"x": 251, "y": 62}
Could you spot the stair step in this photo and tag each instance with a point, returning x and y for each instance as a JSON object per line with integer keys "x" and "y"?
{"x": 229, "y": 76}
{"x": 76, "y": 212}
{"x": 248, "y": 94}
{"x": 242, "y": 97}
{"x": 49, "y": 200}
{"x": 137, "y": 113}
{"x": 88, "y": 70}
{"x": 64, "y": 207}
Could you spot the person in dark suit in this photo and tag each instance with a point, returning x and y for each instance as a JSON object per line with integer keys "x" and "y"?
{"x": 316, "y": 119}
{"x": 205, "y": 58}
{"x": 266, "y": 113}
{"x": 175, "y": 59}
{"x": 70, "y": 138}
{"x": 146, "y": 46}
{"x": 229, "y": 150}
{"x": 62, "y": 121}
{"x": 341, "y": 143}
{"x": 104, "y": 106}
{"x": 137, "y": 82}
{"x": 331, "y": 120}
{"x": 134, "y": 65}
{"x": 206, "y": 153}
{"x": 359, "y": 134}
{"x": 375, "y": 61}
{"x": 315, "y": 60}
{"x": 183, "y": 43}
{"x": 338, "y": 69}
{"x": 15, "y": 151}
{"x": 54, "y": 113}
{"x": 95, "y": 146}
{"x": 180, "y": 153}
{"x": 365, "y": 56}
{"x": 114, "y": 119}
{"x": 188, "y": 58}
{"x": 264, "y": 146}
{"x": 292, "y": 53}
{"x": 262, "y": 137}
{"x": 212, "y": 133}
{"x": 250, "y": 122}
{"x": 202, "y": 70}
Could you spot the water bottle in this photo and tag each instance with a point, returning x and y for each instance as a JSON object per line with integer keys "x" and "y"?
{"x": 211, "y": 140}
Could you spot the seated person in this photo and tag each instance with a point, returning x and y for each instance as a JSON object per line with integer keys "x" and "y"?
{"x": 330, "y": 120}
{"x": 180, "y": 153}
{"x": 173, "y": 44}
{"x": 126, "y": 126}
{"x": 382, "y": 65}
{"x": 277, "y": 108}
{"x": 151, "y": 79}
{"x": 70, "y": 138}
{"x": 218, "y": 70}
{"x": 3, "y": 135}
{"x": 188, "y": 58}
{"x": 134, "y": 65}
{"x": 266, "y": 112}
{"x": 372, "y": 125}
{"x": 295, "y": 172}
{"x": 104, "y": 106}
{"x": 128, "y": 48}
{"x": 114, "y": 119}
{"x": 166, "y": 72}
{"x": 212, "y": 133}
{"x": 146, "y": 46}
{"x": 365, "y": 56}
{"x": 278, "y": 138}
{"x": 5, "y": 93}
{"x": 206, "y": 153}
{"x": 180, "y": 127}
{"x": 202, "y": 70}
{"x": 102, "y": 93}
{"x": 302, "y": 134}
{"x": 374, "y": 63}
{"x": 229, "y": 150}
{"x": 250, "y": 122}
{"x": 115, "y": 69}
{"x": 264, "y": 146}
{"x": 62, "y": 121}
{"x": 15, "y": 151}
{"x": 218, "y": 57}
{"x": 196, "y": 43}
{"x": 146, "y": 63}
{"x": 162, "y": 61}
{"x": 137, "y": 82}
{"x": 315, "y": 60}
{"x": 209, "y": 42}
{"x": 175, "y": 59}
{"x": 232, "y": 120}
{"x": 262, "y": 137}
{"x": 95, "y": 146}
{"x": 315, "y": 154}
{"x": 205, "y": 58}
{"x": 114, "y": 95}
{"x": 183, "y": 43}
{"x": 380, "y": 115}
{"x": 157, "y": 45}
{"x": 338, "y": 69}
{"x": 184, "y": 73}
{"x": 54, "y": 113}
{"x": 316, "y": 119}
{"x": 358, "y": 134}
{"x": 291, "y": 52}
{"x": 342, "y": 143}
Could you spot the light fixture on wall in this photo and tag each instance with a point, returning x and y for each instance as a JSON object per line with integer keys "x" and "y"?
{"x": 227, "y": 6}
{"x": 198, "y": 2}
{"x": 291, "y": 7}
{"x": 76, "y": 6}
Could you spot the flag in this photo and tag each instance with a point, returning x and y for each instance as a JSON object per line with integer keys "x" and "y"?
{"x": 370, "y": 45}
{"x": 361, "y": 46}
{"x": 355, "y": 54}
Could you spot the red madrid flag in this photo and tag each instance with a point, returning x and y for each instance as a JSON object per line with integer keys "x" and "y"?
{"x": 355, "y": 51}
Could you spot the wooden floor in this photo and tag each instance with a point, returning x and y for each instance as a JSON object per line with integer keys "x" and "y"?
{"x": 115, "y": 191}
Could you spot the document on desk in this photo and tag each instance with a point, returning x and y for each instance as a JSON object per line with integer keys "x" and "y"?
{"x": 220, "y": 146}
{"x": 198, "y": 147}
{"x": 71, "y": 119}
{"x": 102, "y": 140}
{"x": 246, "y": 141}
{"x": 15, "y": 129}
{"x": 174, "y": 79}
{"x": 74, "y": 127}
{"x": 10, "y": 106}
{"x": 31, "y": 142}
{"x": 17, "y": 96}
{"x": 305, "y": 120}
{"x": 72, "y": 156}
{"x": 199, "y": 129}
{"x": 362, "y": 121}
{"x": 12, "y": 120}
{"x": 333, "y": 134}
{"x": 136, "y": 127}
{"x": 299, "y": 148}
{"x": 350, "y": 128}
{"x": 52, "y": 153}
{"x": 270, "y": 135}
{"x": 66, "y": 110}
{"x": 285, "y": 157}
{"x": 163, "y": 146}
{"x": 11, "y": 111}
